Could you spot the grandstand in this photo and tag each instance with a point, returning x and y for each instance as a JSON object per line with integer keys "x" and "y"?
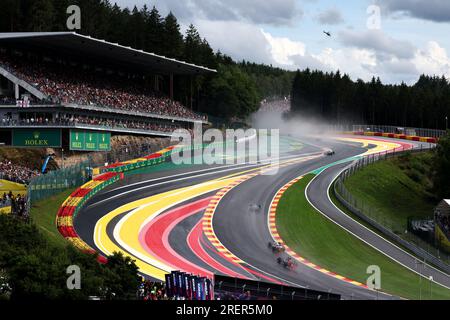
{"x": 63, "y": 89}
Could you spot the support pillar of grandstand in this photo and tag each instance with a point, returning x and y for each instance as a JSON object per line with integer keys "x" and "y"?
{"x": 16, "y": 91}
{"x": 191, "y": 100}
{"x": 171, "y": 86}
{"x": 155, "y": 83}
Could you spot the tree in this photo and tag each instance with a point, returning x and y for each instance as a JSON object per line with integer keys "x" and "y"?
{"x": 41, "y": 15}
{"x": 192, "y": 45}
{"x": 154, "y": 29}
{"x": 120, "y": 277}
{"x": 441, "y": 177}
{"x": 231, "y": 92}
{"x": 36, "y": 269}
{"x": 173, "y": 39}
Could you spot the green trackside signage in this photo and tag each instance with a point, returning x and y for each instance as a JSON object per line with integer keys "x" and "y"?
{"x": 89, "y": 140}
{"x": 36, "y": 138}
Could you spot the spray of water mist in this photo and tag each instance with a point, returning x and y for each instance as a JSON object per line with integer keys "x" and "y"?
{"x": 290, "y": 124}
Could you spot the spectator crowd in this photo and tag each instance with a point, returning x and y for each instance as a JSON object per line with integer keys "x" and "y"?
{"x": 16, "y": 173}
{"x": 17, "y": 203}
{"x": 73, "y": 120}
{"x": 277, "y": 105}
{"x": 149, "y": 291}
{"x": 79, "y": 85}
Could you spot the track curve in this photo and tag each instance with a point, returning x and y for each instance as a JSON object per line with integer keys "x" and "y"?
{"x": 156, "y": 218}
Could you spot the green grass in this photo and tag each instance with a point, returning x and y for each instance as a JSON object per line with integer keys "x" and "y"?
{"x": 321, "y": 241}
{"x": 394, "y": 190}
{"x": 43, "y": 214}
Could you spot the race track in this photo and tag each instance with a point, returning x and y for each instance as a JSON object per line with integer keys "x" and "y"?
{"x": 213, "y": 219}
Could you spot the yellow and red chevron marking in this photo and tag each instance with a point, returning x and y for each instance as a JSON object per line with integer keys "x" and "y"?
{"x": 208, "y": 217}
{"x": 277, "y": 237}
{"x": 211, "y": 209}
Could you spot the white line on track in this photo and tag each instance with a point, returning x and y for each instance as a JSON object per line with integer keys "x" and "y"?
{"x": 366, "y": 242}
{"x": 233, "y": 167}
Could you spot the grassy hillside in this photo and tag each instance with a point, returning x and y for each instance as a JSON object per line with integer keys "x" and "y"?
{"x": 393, "y": 190}
{"x": 43, "y": 214}
{"x": 321, "y": 241}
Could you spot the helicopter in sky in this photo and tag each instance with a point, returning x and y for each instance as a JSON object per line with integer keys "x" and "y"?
{"x": 327, "y": 33}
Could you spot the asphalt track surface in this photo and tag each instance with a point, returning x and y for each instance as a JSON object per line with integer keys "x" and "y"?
{"x": 240, "y": 221}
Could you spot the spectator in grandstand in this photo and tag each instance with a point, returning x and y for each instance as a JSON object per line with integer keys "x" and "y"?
{"x": 71, "y": 120}
{"x": 84, "y": 87}
{"x": 16, "y": 173}
{"x": 276, "y": 105}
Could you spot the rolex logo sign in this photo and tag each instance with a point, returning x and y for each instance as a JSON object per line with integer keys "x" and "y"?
{"x": 36, "y": 138}
{"x": 84, "y": 140}
{"x": 36, "y": 141}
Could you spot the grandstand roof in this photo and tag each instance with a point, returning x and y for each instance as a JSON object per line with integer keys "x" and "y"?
{"x": 87, "y": 46}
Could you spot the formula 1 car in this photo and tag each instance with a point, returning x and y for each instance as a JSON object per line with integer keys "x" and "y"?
{"x": 276, "y": 247}
{"x": 329, "y": 153}
{"x": 288, "y": 263}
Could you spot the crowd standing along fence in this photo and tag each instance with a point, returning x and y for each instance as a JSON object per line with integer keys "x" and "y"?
{"x": 410, "y": 131}
{"x": 370, "y": 215}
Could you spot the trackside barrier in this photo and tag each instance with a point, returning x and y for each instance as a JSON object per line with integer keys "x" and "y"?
{"x": 344, "y": 196}
{"x": 151, "y": 160}
{"x": 260, "y": 290}
{"x": 410, "y": 131}
{"x": 393, "y": 135}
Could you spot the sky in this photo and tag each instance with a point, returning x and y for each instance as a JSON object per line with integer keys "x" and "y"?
{"x": 396, "y": 40}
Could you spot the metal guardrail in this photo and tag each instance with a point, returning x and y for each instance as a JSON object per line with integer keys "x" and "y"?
{"x": 416, "y": 245}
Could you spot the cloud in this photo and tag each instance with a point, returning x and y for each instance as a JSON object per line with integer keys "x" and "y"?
{"x": 433, "y": 59}
{"x": 283, "y": 49}
{"x": 391, "y": 60}
{"x": 236, "y": 28}
{"x": 432, "y": 10}
{"x": 383, "y": 45}
{"x": 242, "y": 41}
{"x": 330, "y": 17}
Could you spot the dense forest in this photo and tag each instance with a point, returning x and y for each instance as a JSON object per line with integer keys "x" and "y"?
{"x": 336, "y": 98}
{"x": 238, "y": 87}
{"x": 235, "y": 91}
